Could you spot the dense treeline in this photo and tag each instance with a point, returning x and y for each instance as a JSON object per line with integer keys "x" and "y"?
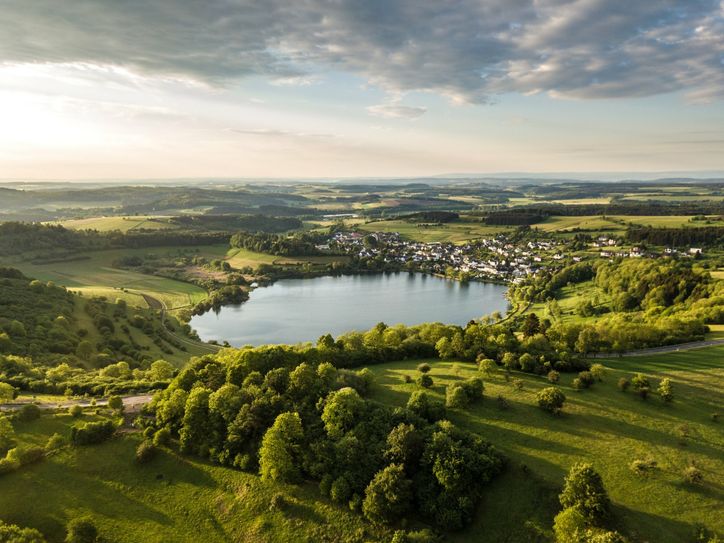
{"x": 17, "y": 238}
{"x": 514, "y": 217}
{"x": 291, "y": 419}
{"x": 300, "y": 244}
{"x": 431, "y": 216}
{"x": 677, "y": 237}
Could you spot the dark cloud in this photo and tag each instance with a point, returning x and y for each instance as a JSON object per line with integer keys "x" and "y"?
{"x": 468, "y": 50}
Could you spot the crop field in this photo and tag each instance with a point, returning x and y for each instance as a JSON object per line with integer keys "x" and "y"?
{"x": 172, "y": 498}
{"x": 96, "y": 275}
{"x": 603, "y": 425}
{"x": 563, "y": 223}
{"x": 666, "y": 221}
{"x": 122, "y": 224}
{"x": 454, "y": 232}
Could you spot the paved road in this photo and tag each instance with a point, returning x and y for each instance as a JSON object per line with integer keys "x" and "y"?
{"x": 666, "y": 349}
{"x": 131, "y": 403}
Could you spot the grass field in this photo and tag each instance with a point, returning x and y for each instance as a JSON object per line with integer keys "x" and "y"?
{"x": 453, "y": 232}
{"x": 123, "y": 224}
{"x": 172, "y": 498}
{"x": 667, "y": 221}
{"x": 604, "y": 426}
{"x": 97, "y": 276}
{"x": 560, "y": 224}
{"x": 240, "y": 258}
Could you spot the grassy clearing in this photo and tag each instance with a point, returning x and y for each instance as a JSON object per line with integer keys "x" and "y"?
{"x": 449, "y": 232}
{"x": 569, "y": 297}
{"x": 241, "y": 258}
{"x": 560, "y": 224}
{"x": 123, "y": 224}
{"x": 601, "y": 425}
{"x": 98, "y": 274}
{"x": 172, "y": 498}
{"x": 666, "y": 221}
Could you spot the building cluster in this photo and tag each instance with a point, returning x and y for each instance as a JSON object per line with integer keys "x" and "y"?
{"x": 491, "y": 258}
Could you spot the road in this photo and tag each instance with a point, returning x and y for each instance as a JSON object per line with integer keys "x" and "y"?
{"x": 665, "y": 349}
{"x": 131, "y": 403}
{"x": 155, "y": 303}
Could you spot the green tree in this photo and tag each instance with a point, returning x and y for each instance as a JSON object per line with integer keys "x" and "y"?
{"x": 10, "y": 533}
{"x": 161, "y": 370}
{"x": 641, "y": 385}
{"x": 583, "y": 489}
{"x": 569, "y": 526}
{"x": 84, "y": 350}
{"x": 551, "y": 399}
{"x": 115, "y": 403}
{"x": 388, "y": 496}
{"x": 196, "y": 430}
{"x": 665, "y": 390}
{"x": 341, "y": 411}
{"x": 455, "y": 396}
{"x": 423, "y": 368}
{"x": 7, "y": 434}
{"x": 531, "y": 325}
{"x": 7, "y": 393}
{"x": 280, "y": 449}
{"x": 404, "y": 445}
{"x": 425, "y": 381}
{"x": 81, "y": 530}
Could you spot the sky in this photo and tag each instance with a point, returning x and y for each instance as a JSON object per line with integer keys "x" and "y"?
{"x": 151, "y": 89}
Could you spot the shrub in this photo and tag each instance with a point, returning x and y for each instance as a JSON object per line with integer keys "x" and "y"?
{"x": 115, "y": 403}
{"x": 551, "y": 399}
{"x": 340, "y": 491}
{"x": 693, "y": 475}
{"x": 425, "y": 381}
{"x": 586, "y": 378}
{"x": 75, "y": 411}
{"x": 623, "y": 384}
{"x": 643, "y": 467}
{"x": 554, "y": 376}
{"x": 145, "y": 452}
{"x": 407, "y": 378}
{"x": 91, "y": 433}
{"x": 10, "y": 533}
{"x": 55, "y": 442}
{"x": 578, "y": 384}
{"x": 665, "y": 390}
{"x": 388, "y": 496}
{"x": 487, "y": 366}
{"x": 455, "y": 396}
{"x": 29, "y": 413}
{"x": 278, "y": 502}
{"x": 518, "y": 384}
{"x": 424, "y": 367}
{"x": 641, "y": 385}
{"x": 598, "y": 371}
{"x": 423, "y": 406}
{"x": 162, "y": 437}
{"x": 81, "y": 530}
{"x": 569, "y": 526}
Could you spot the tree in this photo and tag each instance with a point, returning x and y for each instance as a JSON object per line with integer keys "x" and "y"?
{"x": 583, "y": 489}
{"x": 424, "y": 367}
{"x": 280, "y": 449}
{"x": 623, "y": 384}
{"x": 598, "y": 371}
{"x": 531, "y": 325}
{"x": 486, "y": 366}
{"x": 84, "y": 350}
{"x": 195, "y": 433}
{"x": 7, "y": 393}
{"x": 553, "y": 376}
{"x": 569, "y": 526}
{"x": 7, "y": 434}
{"x": 665, "y": 390}
{"x": 29, "y": 412}
{"x": 388, "y": 496}
{"x": 341, "y": 411}
{"x": 425, "y": 381}
{"x": 423, "y": 406}
{"x": 145, "y": 452}
{"x": 404, "y": 445}
{"x": 455, "y": 396}
{"x": 81, "y": 530}
{"x": 115, "y": 403}
{"x": 10, "y": 533}
{"x": 640, "y": 384}
{"x": 551, "y": 399}
{"x": 161, "y": 370}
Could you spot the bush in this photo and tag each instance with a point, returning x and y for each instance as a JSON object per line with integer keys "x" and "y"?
{"x": 623, "y": 384}
{"x": 424, "y": 367}
{"x": 554, "y": 376}
{"x": 643, "y": 467}
{"x": 569, "y": 526}
{"x": 487, "y": 366}
{"x": 423, "y": 406}
{"x": 455, "y": 396}
{"x": 162, "y": 437}
{"x": 91, "y": 433}
{"x": 425, "y": 381}
{"x": 551, "y": 399}
{"x": 10, "y": 533}
{"x": 75, "y": 411}
{"x": 29, "y": 413}
{"x": 586, "y": 378}
{"x": 55, "y": 442}
{"x": 81, "y": 530}
{"x": 641, "y": 385}
{"x": 665, "y": 390}
{"x": 388, "y": 496}
{"x": 278, "y": 502}
{"x": 115, "y": 403}
{"x": 407, "y": 378}
{"x": 145, "y": 452}
{"x": 693, "y": 475}
{"x": 598, "y": 371}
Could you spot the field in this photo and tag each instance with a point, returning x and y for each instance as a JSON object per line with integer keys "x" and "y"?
{"x": 122, "y": 224}
{"x": 604, "y": 426}
{"x": 241, "y": 258}
{"x": 454, "y": 232}
{"x": 97, "y": 276}
{"x": 172, "y": 498}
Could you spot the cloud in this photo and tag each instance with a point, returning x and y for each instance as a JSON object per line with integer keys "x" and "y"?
{"x": 396, "y": 111}
{"x": 467, "y": 50}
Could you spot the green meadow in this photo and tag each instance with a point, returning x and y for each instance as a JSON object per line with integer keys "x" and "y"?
{"x": 602, "y": 425}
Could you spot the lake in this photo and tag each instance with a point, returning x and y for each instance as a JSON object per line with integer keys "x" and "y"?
{"x": 297, "y": 310}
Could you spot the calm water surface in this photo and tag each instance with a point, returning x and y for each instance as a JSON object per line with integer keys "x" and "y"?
{"x": 294, "y": 310}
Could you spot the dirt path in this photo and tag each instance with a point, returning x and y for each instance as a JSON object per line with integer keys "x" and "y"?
{"x": 131, "y": 403}
{"x": 665, "y": 349}
{"x": 158, "y": 305}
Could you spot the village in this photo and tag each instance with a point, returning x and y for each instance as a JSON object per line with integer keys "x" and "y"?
{"x": 497, "y": 258}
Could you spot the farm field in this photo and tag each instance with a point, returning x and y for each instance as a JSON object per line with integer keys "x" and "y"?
{"x": 602, "y": 425}
{"x": 172, "y": 498}
{"x": 666, "y": 221}
{"x": 563, "y": 223}
{"x": 122, "y": 224}
{"x": 454, "y": 232}
{"x": 96, "y": 275}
